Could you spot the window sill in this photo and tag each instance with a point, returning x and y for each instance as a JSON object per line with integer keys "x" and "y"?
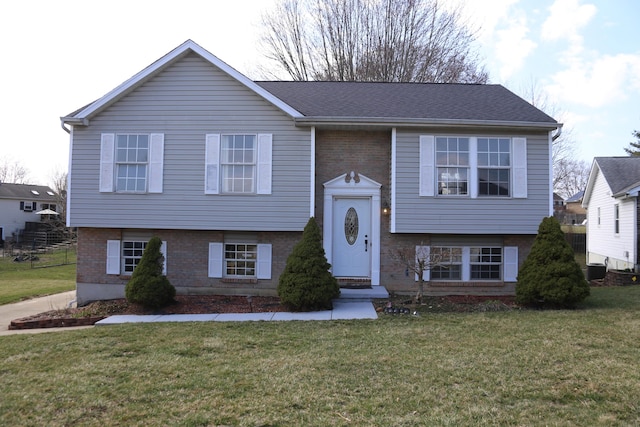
{"x": 239, "y": 280}
{"x": 466, "y": 284}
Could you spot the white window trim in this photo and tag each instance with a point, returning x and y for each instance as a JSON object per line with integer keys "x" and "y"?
{"x": 264, "y": 163}
{"x": 217, "y": 261}
{"x": 114, "y": 257}
{"x": 509, "y": 264}
{"x": 517, "y": 169}
{"x": 155, "y": 163}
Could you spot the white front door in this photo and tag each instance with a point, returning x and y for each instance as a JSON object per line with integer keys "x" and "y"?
{"x": 352, "y": 241}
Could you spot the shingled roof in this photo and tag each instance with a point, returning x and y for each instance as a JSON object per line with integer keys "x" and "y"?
{"x": 425, "y": 101}
{"x": 621, "y": 173}
{"x": 26, "y": 192}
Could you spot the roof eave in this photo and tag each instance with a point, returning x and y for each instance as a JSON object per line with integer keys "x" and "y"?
{"x": 420, "y": 122}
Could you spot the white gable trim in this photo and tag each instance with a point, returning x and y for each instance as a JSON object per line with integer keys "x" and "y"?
{"x": 169, "y": 58}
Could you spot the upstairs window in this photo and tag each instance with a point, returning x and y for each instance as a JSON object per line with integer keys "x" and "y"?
{"x": 616, "y": 218}
{"x": 132, "y": 158}
{"x": 452, "y": 160}
{"x": 238, "y": 162}
{"x": 494, "y": 166}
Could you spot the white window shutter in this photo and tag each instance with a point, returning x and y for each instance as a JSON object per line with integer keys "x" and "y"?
{"x": 473, "y": 167}
{"x": 427, "y": 165}
{"x": 265, "y": 145}
{"x": 520, "y": 168}
{"x": 510, "y": 263}
{"x": 264, "y": 262}
{"x": 212, "y": 164}
{"x": 113, "y": 256}
{"x": 156, "y": 162}
{"x": 107, "y": 157}
{"x": 163, "y": 251}
{"x": 423, "y": 252}
{"x": 215, "y": 259}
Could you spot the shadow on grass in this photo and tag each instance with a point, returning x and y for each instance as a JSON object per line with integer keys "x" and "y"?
{"x": 626, "y": 297}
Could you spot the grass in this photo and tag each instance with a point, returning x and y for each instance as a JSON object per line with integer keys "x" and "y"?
{"x": 18, "y": 280}
{"x": 518, "y": 368}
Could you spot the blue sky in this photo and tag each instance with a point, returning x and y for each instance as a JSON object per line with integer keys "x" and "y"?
{"x": 583, "y": 56}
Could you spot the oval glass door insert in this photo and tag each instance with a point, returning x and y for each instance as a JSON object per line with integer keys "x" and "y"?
{"x": 351, "y": 226}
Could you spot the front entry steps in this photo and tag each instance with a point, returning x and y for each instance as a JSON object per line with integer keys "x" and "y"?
{"x": 365, "y": 294}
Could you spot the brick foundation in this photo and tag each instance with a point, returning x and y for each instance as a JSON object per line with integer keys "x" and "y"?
{"x": 621, "y": 278}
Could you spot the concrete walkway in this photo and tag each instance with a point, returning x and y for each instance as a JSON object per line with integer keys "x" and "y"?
{"x": 9, "y": 312}
{"x": 352, "y": 304}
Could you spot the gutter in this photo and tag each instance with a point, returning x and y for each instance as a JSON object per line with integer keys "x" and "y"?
{"x": 557, "y": 135}
{"x": 72, "y": 121}
{"x": 416, "y": 122}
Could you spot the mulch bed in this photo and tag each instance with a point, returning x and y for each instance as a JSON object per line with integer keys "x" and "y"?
{"x": 185, "y": 304}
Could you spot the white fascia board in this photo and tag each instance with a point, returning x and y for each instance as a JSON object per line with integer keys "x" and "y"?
{"x": 167, "y": 59}
{"x": 419, "y": 122}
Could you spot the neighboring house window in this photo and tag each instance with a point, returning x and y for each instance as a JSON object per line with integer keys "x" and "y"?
{"x": 131, "y": 255}
{"x": 486, "y": 263}
{"x": 49, "y": 206}
{"x": 616, "y": 218}
{"x": 28, "y": 206}
{"x": 131, "y": 163}
{"x": 132, "y": 157}
{"x": 238, "y": 162}
{"x": 240, "y": 259}
{"x": 494, "y": 166}
{"x": 452, "y": 160}
{"x": 450, "y": 263}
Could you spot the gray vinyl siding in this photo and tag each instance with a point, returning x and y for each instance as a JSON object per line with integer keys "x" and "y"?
{"x": 464, "y": 215}
{"x": 186, "y": 101}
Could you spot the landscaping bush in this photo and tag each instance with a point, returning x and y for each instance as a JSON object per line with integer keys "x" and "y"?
{"x": 306, "y": 283}
{"x": 550, "y": 276}
{"x": 148, "y": 286}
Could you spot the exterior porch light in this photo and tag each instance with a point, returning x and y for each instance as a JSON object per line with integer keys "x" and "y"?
{"x": 385, "y": 208}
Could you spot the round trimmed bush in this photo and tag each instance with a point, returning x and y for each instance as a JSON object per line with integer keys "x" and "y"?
{"x": 148, "y": 286}
{"x": 306, "y": 283}
{"x": 550, "y": 276}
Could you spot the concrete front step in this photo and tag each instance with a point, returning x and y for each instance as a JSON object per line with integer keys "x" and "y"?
{"x": 367, "y": 294}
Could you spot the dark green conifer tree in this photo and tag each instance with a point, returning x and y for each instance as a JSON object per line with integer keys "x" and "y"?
{"x": 306, "y": 283}
{"x": 550, "y": 276}
{"x": 148, "y": 286}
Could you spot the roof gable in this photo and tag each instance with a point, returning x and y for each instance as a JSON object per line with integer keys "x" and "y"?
{"x": 83, "y": 114}
{"x": 621, "y": 174}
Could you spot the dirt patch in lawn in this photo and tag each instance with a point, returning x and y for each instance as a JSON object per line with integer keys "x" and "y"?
{"x": 446, "y": 304}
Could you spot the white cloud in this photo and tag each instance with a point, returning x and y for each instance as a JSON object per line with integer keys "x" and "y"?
{"x": 566, "y": 19}
{"x": 513, "y": 47}
{"x": 608, "y": 79}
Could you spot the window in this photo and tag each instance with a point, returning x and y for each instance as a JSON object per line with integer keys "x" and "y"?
{"x": 240, "y": 259}
{"x": 28, "y": 206}
{"x": 450, "y": 260}
{"x": 48, "y": 206}
{"x": 494, "y": 166}
{"x": 598, "y": 216}
{"x": 238, "y": 161}
{"x": 131, "y": 254}
{"x": 486, "y": 263}
{"x": 132, "y": 157}
{"x": 452, "y": 161}
{"x": 616, "y": 218}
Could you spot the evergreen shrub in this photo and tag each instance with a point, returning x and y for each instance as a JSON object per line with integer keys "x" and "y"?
{"x": 148, "y": 286}
{"x": 306, "y": 283}
{"x": 550, "y": 276}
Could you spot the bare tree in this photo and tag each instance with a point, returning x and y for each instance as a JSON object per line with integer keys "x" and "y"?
{"x": 570, "y": 176}
{"x": 12, "y": 171}
{"x": 367, "y": 40}
{"x": 58, "y": 181}
{"x": 422, "y": 260}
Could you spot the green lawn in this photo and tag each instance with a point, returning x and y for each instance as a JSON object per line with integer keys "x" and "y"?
{"x": 520, "y": 368}
{"x": 18, "y": 280}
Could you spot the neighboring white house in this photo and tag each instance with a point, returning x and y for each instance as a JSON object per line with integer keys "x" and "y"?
{"x": 19, "y": 204}
{"x": 611, "y": 200}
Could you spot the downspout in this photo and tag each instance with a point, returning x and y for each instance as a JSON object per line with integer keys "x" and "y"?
{"x": 552, "y": 140}
{"x": 558, "y": 134}
{"x": 64, "y": 127}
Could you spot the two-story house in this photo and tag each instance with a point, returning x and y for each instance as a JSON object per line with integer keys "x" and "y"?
{"x": 227, "y": 171}
{"x": 19, "y": 206}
